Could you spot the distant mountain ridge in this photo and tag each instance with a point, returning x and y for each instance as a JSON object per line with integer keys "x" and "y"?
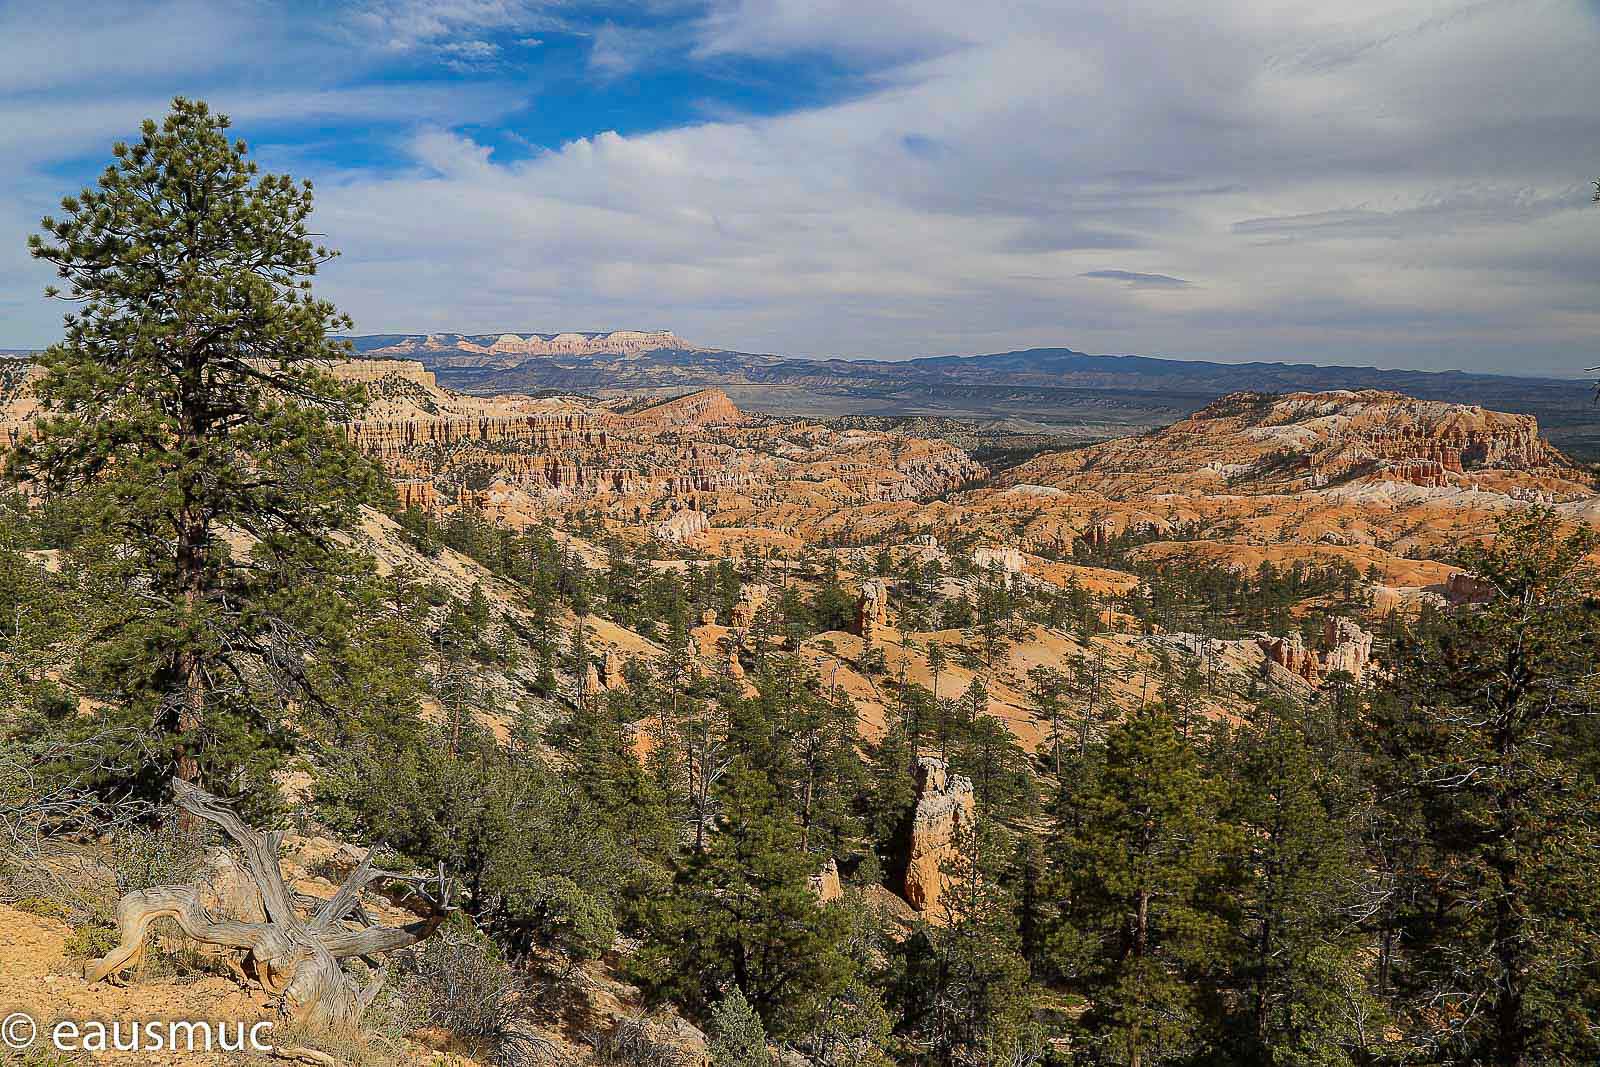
{"x": 1056, "y": 390}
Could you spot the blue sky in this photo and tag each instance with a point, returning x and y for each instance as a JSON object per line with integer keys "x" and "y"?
{"x": 1400, "y": 184}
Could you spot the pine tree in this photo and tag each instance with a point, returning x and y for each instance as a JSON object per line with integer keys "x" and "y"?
{"x": 1136, "y": 876}
{"x": 188, "y": 398}
{"x": 742, "y": 914}
{"x": 1299, "y": 963}
{"x": 1488, "y": 732}
{"x": 1002, "y": 778}
{"x": 1049, "y": 688}
{"x": 737, "y": 1037}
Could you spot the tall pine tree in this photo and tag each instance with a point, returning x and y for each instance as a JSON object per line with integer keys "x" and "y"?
{"x": 1137, "y": 872}
{"x": 1489, "y": 731}
{"x": 742, "y": 914}
{"x": 189, "y": 420}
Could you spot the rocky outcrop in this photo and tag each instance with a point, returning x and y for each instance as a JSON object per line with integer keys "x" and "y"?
{"x": 1099, "y": 533}
{"x": 1290, "y": 653}
{"x": 550, "y": 431}
{"x": 752, "y": 598}
{"x": 944, "y": 808}
{"x": 417, "y": 493}
{"x": 611, "y": 670}
{"x": 592, "y": 686}
{"x": 1347, "y": 647}
{"x": 373, "y": 371}
{"x": 872, "y": 611}
{"x": 1465, "y": 588}
{"x": 1005, "y": 561}
{"x": 825, "y": 883}
{"x": 683, "y": 526}
{"x": 707, "y": 407}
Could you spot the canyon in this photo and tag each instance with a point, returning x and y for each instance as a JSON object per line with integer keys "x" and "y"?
{"x": 644, "y": 464}
{"x": 1380, "y": 487}
{"x": 1384, "y": 484}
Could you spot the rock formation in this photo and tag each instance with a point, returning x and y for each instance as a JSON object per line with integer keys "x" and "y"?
{"x": 944, "y": 807}
{"x": 683, "y": 526}
{"x": 752, "y": 598}
{"x": 872, "y": 611}
{"x": 1347, "y": 647}
{"x": 1465, "y": 588}
{"x": 708, "y": 407}
{"x": 1007, "y": 561}
{"x": 825, "y": 883}
{"x": 378, "y": 372}
{"x": 1290, "y": 653}
{"x": 611, "y": 670}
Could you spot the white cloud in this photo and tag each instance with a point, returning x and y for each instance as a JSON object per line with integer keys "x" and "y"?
{"x": 1358, "y": 183}
{"x": 55, "y": 46}
{"x": 403, "y": 25}
{"x": 1294, "y": 164}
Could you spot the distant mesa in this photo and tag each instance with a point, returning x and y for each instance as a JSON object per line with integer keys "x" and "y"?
{"x": 1357, "y": 443}
{"x": 617, "y": 342}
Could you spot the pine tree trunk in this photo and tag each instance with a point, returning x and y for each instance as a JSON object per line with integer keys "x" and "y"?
{"x": 193, "y": 533}
{"x": 1509, "y": 934}
{"x": 1141, "y": 944}
{"x": 805, "y": 811}
{"x": 191, "y": 701}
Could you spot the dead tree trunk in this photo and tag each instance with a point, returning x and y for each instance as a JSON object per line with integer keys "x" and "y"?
{"x": 295, "y": 958}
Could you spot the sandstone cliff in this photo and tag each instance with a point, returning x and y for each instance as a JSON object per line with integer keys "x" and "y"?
{"x": 1252, "y": 442}
{"x": 707, "y": 407}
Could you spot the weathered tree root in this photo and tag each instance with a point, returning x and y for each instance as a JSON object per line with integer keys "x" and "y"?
{"x": 293, "y": 957}
{"x": 315, "y": 1057}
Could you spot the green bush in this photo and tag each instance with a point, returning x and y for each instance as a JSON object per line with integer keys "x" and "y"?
{"x": 91, "y": 942}
{"x": 562, "y": 916}
{"x": 737, "y": 1037}
{"x": 43, "y": 907}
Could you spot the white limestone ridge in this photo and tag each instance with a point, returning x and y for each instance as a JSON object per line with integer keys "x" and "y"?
{"x": 617, "y": 342}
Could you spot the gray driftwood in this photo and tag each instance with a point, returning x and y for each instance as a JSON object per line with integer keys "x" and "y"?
{"x": 294, "y": 957}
